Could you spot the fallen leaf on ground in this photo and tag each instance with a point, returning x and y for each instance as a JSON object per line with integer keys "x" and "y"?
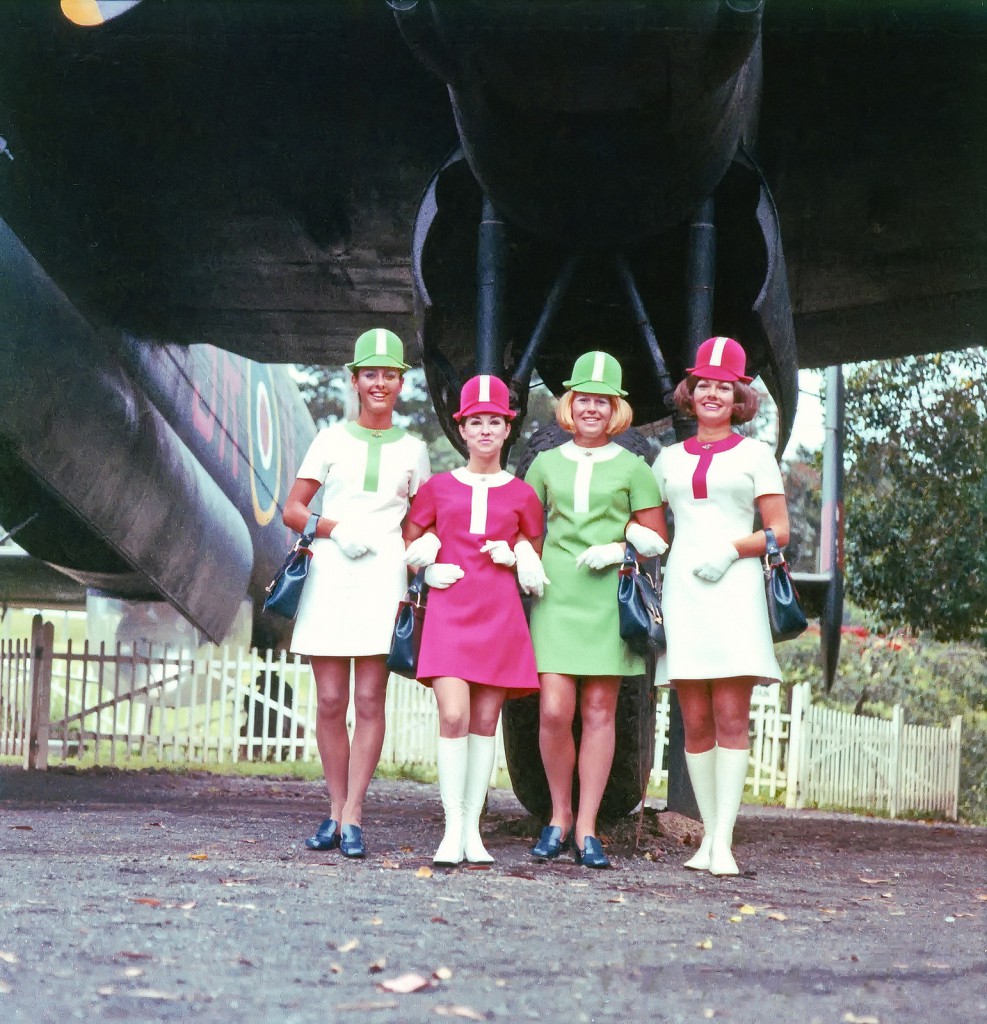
{"x": 852, "y": 1018}
{"x": 198, "y": 856}
{"x": 736, "y": 919}
{"x": 147, "y": 901}
{"x": 746, "y": 908}
{"x": 8, "y": 958}
{"x": 439, "y": 920}
{"x": 368, "y": 1005}
{"x": 617, "y": 899}
{"x": 22, "y": 828}
{"x": 376, "y": 920}
{"x": 133, "y": 972}
{"x": 5, "y": 989}
{"x": 253, "y": 842}
{"x": 777, "y": 917}
{"x": 875, "y": 881}
{"x": 423, "y": 872}
{"x": 442, "y": 973}
{"x": 377, "y": 966}
{"x": 187, "y": 905}
{"x": 335, "y": 969}
{"x": 982, "y": 896}
{"x": 153, "y": 824}
{"x": 466, "y": 1012}
{"x": 128, "y": 955}
{"x": 390, "y": 865}
{"x": 347, "y": 947}
{"x": 705, "y": 944}
{"x": 236, "y": 881}
{"x": 404, "y": 984}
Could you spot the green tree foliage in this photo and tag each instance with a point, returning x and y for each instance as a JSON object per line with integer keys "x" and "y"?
{"x": 916, "y": 525}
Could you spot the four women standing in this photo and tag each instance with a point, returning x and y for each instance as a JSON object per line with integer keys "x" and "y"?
{"x": 487, "y": 526}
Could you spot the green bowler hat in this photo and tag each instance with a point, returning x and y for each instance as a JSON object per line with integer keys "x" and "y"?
{"x": 378, "y": 347}
{"x": 596, "y": 373}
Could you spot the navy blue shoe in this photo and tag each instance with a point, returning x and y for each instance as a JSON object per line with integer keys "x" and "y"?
{"x": 592, "y": 855}
{"x": 351, "y": 841}
{"x": 326, "y": 836}
{"x": 551, "y": 843}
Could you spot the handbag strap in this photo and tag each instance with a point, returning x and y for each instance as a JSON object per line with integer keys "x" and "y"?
{"x": 310, "y": 527}
{"x": 417, "y": 588}
{"x": 772, "y": 554}
{"x": 629, "y": 565}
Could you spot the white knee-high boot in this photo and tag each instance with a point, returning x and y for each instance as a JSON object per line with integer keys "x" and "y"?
{"x": 479, "y": 765}
{"x": 731, "y": 775}
{"x": 452, "y": 761}
{"x": 702, "y": 775}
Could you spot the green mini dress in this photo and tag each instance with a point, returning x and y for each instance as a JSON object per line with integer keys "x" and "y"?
{"x": 589, "y": 495}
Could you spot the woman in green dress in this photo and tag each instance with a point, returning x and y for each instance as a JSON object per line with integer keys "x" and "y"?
{"x": 595, "y": 493}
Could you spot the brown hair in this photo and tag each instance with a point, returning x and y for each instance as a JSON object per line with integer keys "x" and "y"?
{"x": 746, "y": 400}
{"x": 621, "y": 414}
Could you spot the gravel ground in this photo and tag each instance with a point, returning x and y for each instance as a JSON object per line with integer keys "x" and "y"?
{"x": 158, "y": 897}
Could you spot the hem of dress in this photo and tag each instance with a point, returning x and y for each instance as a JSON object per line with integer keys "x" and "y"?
{"x": 511, "y": 691}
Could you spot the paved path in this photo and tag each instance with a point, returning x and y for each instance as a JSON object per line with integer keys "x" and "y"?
{"x": 154, "y": 897}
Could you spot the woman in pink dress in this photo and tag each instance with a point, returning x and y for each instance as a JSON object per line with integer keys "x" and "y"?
{"x": 476, "y": 650}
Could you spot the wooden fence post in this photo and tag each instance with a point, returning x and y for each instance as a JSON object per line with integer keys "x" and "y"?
{"x": 897, "y": 738}
{"x": 39, "y": 706}
{"x": 793, "y": 784}
{"x": 955, "y": 735}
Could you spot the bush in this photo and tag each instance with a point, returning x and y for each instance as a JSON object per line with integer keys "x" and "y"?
{"x": 931, "y": 681}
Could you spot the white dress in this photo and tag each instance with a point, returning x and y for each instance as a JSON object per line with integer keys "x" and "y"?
{"x": 715, "y": 630}
{"x": 348, "y": 604}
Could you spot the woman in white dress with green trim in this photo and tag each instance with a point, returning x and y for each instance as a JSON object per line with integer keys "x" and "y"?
{"x": 593, "y": 490}
{"x": 369, "y": 471}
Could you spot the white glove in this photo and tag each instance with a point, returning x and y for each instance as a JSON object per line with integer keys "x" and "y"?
{"x": 500, "y": 552}
{"x": 599, "y": 556}
{"x": 352, "y": 540}
{"x": 647, "y": 543}
{"x": 422, "y": 552}
{"x": 530, "y": 572}
{"x": 717, "y": 562}
{"x": 442, "y": 575}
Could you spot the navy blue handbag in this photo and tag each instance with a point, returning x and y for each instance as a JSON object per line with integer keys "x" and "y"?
{"x": 285, "y": 590}
{"x": 784, "y": 611}
{"x": 642, "y": 625}
{"x": 406, "y": 640}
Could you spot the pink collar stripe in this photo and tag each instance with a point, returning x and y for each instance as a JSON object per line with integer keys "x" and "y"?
{"x": 706, "y": 453}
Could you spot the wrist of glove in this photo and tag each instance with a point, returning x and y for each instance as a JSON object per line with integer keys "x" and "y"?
{"x": 442, "y": 575}
{"x": 716, "y": 563}
{"x": 600, "y": 556}
{"x": 352, "y": 540}
{"x": 530, "y": 572}
{"x": 646, "y": 542}
{"x": 500, "y": 552}
{"x": 422, "y": 551}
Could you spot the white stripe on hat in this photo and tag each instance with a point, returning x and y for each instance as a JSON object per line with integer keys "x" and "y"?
{"x": 484, "y": 395}
{"x": 598, "y": 360}
{"x": 380, "y": 347}
{"x": 716, "y": 359}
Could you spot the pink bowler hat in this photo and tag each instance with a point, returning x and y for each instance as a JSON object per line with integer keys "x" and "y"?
{"x": 484, "y": 393}
{"x": 720, "y": 359}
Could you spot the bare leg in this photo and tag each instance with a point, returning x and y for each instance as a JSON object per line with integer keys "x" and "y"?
{"x": 598, "y": 707}
{"x": 369, "y": 693}
{"x": 332, "y": 682}
{"x": 557, "y": 708}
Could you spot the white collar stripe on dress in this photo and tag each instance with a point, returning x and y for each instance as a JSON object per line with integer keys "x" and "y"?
{"x": 598, "y": 359}
{"x": 478, "y": 510}
{"x": 380, "y": 344}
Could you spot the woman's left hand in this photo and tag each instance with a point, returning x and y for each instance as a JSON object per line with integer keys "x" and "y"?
{"x": 600, "y": 556}
{"x": 717, "y": 562}
{"x": 500, "y": 552}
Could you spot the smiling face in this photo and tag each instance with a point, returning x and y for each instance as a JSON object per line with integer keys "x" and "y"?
{"x": 378, "y": 388}
{"x": 590, "y": 416}
{"x": 714, "y": 402}
{"x": 485, "y": 433}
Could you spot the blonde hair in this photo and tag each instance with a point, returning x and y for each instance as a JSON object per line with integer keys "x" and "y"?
{"x": 621, "y": 414}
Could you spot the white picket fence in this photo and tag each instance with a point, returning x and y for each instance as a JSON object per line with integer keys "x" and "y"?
{"x": 222, "y": 706}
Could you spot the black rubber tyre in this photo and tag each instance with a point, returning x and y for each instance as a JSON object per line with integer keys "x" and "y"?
{"x": 636, "y": 707}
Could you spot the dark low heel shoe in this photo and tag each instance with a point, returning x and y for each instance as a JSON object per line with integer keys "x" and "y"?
{"x": 351, "y": 841}
{"x": 326, "y": 836}
{"x": 551, "y": 843}
{"x": 592, "y": 855}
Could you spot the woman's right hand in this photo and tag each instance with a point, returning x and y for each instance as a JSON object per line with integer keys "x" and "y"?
{"x": 442, "y": 575}
{"x": 352, "y": 540}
